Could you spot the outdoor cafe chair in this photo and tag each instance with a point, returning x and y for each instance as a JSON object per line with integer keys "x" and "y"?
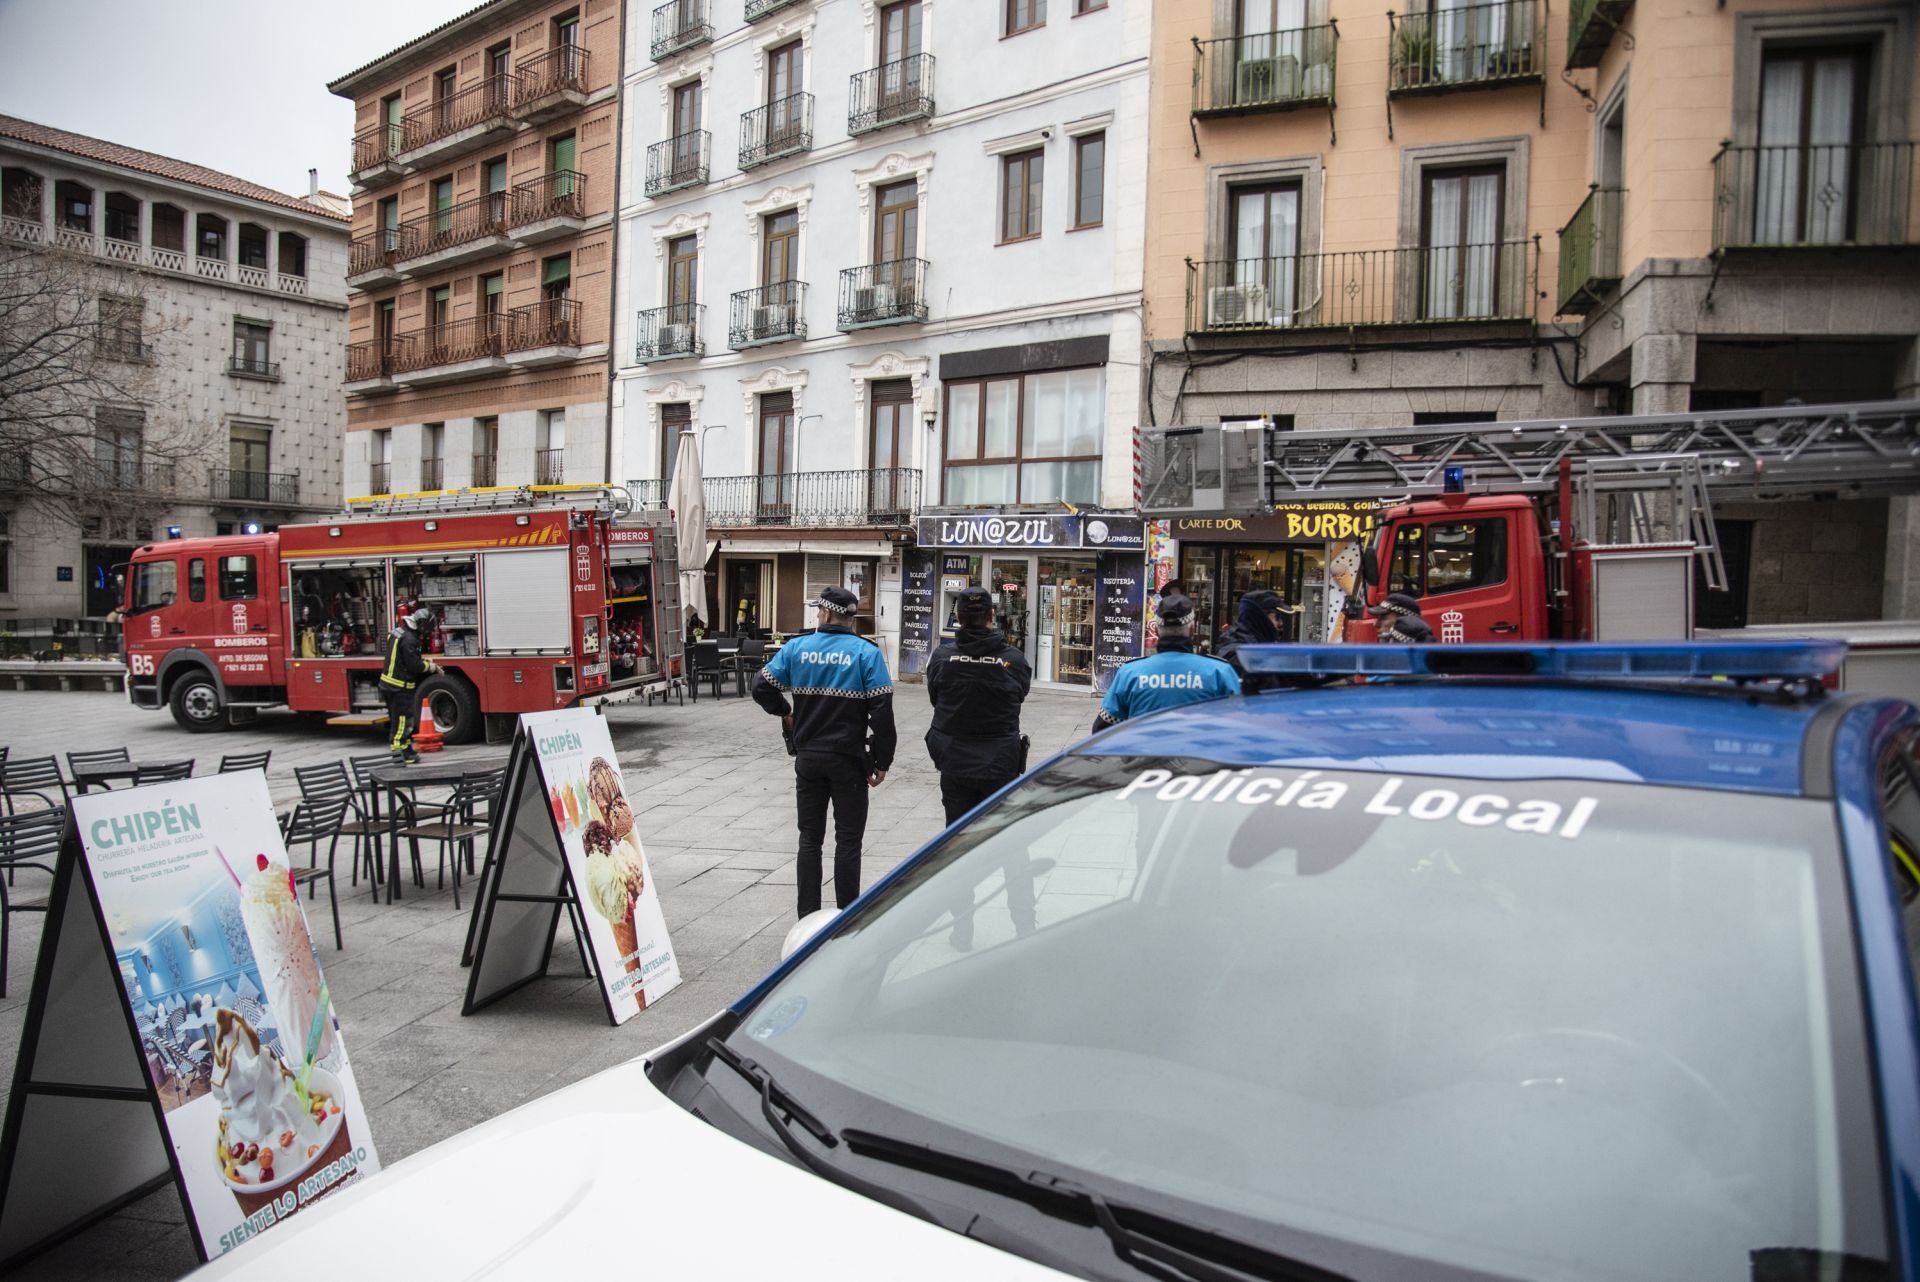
{"x": 35, "y": 779}
{"x": 163, "y": 774}
{"x": 29, "y": 840}
{"x": 320, "y": 786}
{"x": 703, "y": 664}
{"x": 78, "y": 761}
{"x": 465, "y": 819}
{"x": 235, "y": 762}
{"x": 321, "y": 819}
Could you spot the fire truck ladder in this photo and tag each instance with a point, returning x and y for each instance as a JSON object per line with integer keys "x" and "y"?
{"x": 610, "y": 499}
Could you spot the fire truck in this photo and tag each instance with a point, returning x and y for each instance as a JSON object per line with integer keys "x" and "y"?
{"x": 1584, "y": 529}
{"x": 544, "y": 597}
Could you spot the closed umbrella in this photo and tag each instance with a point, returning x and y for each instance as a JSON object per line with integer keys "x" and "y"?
{"x": 688, "y": 503}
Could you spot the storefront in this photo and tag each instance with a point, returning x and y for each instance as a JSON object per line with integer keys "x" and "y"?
{"x": 1067, "y": 590}
{"x": 1309, "y": 553}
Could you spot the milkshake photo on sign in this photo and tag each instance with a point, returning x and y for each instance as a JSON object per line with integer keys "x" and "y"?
{"x": 234, "y": 1018}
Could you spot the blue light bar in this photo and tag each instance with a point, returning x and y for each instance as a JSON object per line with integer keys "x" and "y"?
{"x": 1656, "y": 660}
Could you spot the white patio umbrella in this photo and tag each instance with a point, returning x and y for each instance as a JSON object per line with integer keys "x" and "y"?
{"x": 686, "y": 499}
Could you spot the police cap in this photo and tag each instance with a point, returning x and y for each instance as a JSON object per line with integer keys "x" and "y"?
{"x": 973, "y": 603}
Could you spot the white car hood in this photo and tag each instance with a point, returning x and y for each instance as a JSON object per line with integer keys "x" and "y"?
{"x": 607, "y": 1178}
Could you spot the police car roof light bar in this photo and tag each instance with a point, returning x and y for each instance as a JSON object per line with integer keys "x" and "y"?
{"x": 1663, "y": 660}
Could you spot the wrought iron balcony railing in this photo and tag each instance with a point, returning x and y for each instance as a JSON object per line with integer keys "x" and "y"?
{"x": 1590, "y": 28}
{"x": 371, "y": 253}
{"x": 1419, "y": 286}
{"x": 131, "y": 476}
{"x": 671, "y": 332}
{"x": 432, "y": 473}
{"x": 890, "y": 94}
{"x": 559, "y": 70}
{"x": 561, "y": 193}
{"x": 376, "y": 145}
{"x": 677, "y": 162}
{"x": 891, "y": 293}
{"x": 781, "y": 128}
{"x": 1836, "y": 194}
{"x": 1268, "y": 71}
{"x": 380, "y": 478}
{"x": 883, "y": 497}
{"x": 551, "y": 322}
{"x": 758, "y": 9}
{"x": 471, "y": 338}
{"x": 679, "y": 25}
{"x": 481, "y": 103}
{"x": 486, "y": 469}
{"x": 1468, "y": 47}
{"x": 252, "y": 368}
{"x": 1590, "y": 251}
{"x": 449, "y": 228}
{"x": 375, "y": 358}
{"x": 769, "y": 314}
{"x": 239, "y": 486}
{"x": 549, "y": 467}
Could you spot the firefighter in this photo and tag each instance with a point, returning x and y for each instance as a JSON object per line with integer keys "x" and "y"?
{"x": 400, "y": 682}
{"x": 1171, "y": 676}
{"x": 1398, "y": 618}
{"x": 842, "y": 738}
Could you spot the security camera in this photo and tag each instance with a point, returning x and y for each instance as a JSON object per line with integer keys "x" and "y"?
{"x": 1046, "y": 133}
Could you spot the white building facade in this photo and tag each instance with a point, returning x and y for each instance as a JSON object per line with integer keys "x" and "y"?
{"x": 884, "y": 260}
{"x": 225, "y": 302}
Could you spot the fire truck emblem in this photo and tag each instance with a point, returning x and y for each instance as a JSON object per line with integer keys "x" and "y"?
{"x": 583, "y": 563}
{"x": 1453, "y": 627}
{"x": 239, "y": 619}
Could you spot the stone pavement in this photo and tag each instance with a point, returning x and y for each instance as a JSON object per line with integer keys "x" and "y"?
{"x": 713, "y": 796}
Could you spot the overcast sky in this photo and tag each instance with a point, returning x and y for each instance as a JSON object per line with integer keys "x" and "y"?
{"x": 236, "y": 86}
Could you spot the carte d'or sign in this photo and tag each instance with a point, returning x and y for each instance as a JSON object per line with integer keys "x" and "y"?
{"x": 1328, "y": 522}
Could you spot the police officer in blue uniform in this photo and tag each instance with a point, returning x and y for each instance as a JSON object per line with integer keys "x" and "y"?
{"x": 1173, "y": 675}
{"x": 840, "y": 724}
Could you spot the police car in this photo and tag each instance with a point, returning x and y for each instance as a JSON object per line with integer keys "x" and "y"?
{"x": 1526, "y": 962}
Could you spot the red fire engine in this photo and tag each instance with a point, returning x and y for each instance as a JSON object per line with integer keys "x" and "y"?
{"x": 544, "y": 597}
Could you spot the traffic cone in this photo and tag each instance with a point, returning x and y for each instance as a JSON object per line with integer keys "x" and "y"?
{"x": 427, "y": 737}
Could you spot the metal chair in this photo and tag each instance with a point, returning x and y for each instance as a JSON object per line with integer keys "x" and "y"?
{"x": 320, "y": 786}
{"x": 29, "y": 840}
{"x": 466, "y": 817}
{"x": 321, "y": 820}
{"x": 36, "y": 778}
{"x": 163, "y": 774}
{"x": 703, "y": 664}
{"x": 235, "y": 762}
{"x": 105, "y": 757}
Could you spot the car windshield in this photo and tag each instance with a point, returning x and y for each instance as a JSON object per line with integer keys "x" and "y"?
{"x": 1527, "y": 1028}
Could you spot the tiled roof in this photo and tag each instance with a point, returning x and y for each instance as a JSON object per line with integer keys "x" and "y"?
{"x": 147, "y": 162}
{"x": 333, "y": 86}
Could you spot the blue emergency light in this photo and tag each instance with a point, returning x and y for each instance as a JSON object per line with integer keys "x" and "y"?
{"x": 173, "y": 531}
{"x": 1453, "y": 479}
{"x": 1660, "y": 660}
{"x": 251, "y": 527}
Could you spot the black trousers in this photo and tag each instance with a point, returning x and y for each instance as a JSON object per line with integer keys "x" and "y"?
{"x": 403, "y": 714}
{"x": 962, "y": 795}
{"x": 820, "y": 778}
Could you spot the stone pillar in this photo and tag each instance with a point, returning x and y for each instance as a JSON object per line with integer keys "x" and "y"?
{"x": 1662, "y": 373}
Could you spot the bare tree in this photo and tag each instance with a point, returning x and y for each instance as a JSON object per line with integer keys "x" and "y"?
{"x": 84, "y": 437}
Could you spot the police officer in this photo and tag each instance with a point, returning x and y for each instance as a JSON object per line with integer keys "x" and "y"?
{"x": 1399, "y": 621}
{"x": 976, "y": 683}
{"x": 400, "y": 682}
{"x": 1171, "y": 676}
{"x": 840, "y": 724}
{"x": 1258, "y": 624}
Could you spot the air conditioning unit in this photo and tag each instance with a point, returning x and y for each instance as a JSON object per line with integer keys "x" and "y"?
{"x": 675, "y": 338}
{"x": 772, "y": 322}
{"x": 1229, "y": 305}
{"x": 874, "y": 300}
{"x": 1256, "y": 80}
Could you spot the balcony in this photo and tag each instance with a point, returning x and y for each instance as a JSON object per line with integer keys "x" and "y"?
{"x": 892, "y": 94}
{"x": 649, "y": 493}
{"x": 456, "y": 349}
{"x": 550, "y": 84}
{"x": 758, "y": 9}
{"x": 769, "y": 314}
{"x": 548, "y": 207}
{"x": 460, "y": 233}
{"x": 670, "y": 333}
{"x": 371, "y": 365}
{"x": 227, "y": 485}
{"x": 856, "y": 498}
{"x": 479, "y": 113}
{"x": 1837, "y": 195}
{"x": 1590, "y": 252}
{"x": 678, "y": 162}
{"x": 1476, "y": 46}
{"x": 129, "y": 477}
{"x": 781, "y": 128}
{"x": 1270, "y": 71}
{"x": 543, "y": 333}
{"x": 374, "y": 154}
{"x": 486, "y": 470}
{"x": 892, "y": 293}
{"x": 549, "y": 467}
{"x": 380, "y": 478}
{"x": 370, "y": 259}
{"x": 248, "y": 367}
{"x": 678, "y": 26}
{"x": 1590, "y": 28}
{"x": 1368, "y": 287}
{"x": 432, "y": 473}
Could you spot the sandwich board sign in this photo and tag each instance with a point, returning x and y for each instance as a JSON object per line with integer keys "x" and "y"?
{"x": 179, "y": 1028}
{"x": 568, "y": 842}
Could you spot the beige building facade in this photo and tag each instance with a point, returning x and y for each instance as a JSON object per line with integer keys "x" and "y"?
{"x": 1505, "y": 210}
{"x": 481, "y": 261}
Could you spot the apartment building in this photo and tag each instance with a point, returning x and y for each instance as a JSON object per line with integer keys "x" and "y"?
{"x": 184, "y": 331}
{"x": 1501, "y": 210}
{"x": 482, "y": 251}
{"x": 884, "y": 261}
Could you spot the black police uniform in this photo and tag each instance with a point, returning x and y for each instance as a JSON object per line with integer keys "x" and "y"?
{"x": 976, "y": 683}
{"x": 1253, "y": 627}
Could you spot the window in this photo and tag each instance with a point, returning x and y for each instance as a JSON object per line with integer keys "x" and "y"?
{"x": 1263, "y": 228}
{"x": 154, "y": 584}
{"x": 1450, "y": 556}
{"x": 556, "y": 278}
{"x": 566, "y": 30}
{"x": 493, "y": 289}
{"x": 493, "y": 183}
{"x": 890, "y": 425}
{"x": 390, "y": 116}
{"x": 380, "y": 461}
{"x": 1089, "y": 180}
{"x": 783, "y": 77}
{"x": 779, "y": 247}
{"x": 673, "y": 419}
{"x": 779, "y": 448}
{"x": 686, "y": 110}
{"x": 1460, "y": 221}
{"x": 1025, "y": 15}
{"x": 122, "y": 327}
{"x": 899, "y": 36}
{"x": 239, "y": 577}
{"x": 197, "y": 579}
{"x": 383, "y": 323}
{"x": 211, "y": 237}
{"x": 1020, "y": 180}
{"x": 486, "y": 451}
{"x": 550, "y": 441}
{"x": 117, "y": 441}
{"x": 20, "y": 193}
{"x": 250, "y": 452}
{"x": 1087, "y": 6}
{"x": 73, "y": 205}
{"x": 253, "y": 245}
{"x": 293, "y": 254}
{"x": 498, "y": 59}
{"x": 683, "y": 278}
{"x": 1032, "y": 438}
{"x": 443, "y": 205}
{"x": 439, "y": 310}
{"x": 896, "y": 227}
{"x": 1812, "y": 115}
{"x": 123, "y": 217}
{"x": 432, "y": 438}
{"x": 443, "y": 82}
{"x": 389, "y": 224}
{"x": 251, "y": 346}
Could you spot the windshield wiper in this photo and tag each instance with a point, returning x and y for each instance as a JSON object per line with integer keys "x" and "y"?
{"x": 1181, "y": 1252}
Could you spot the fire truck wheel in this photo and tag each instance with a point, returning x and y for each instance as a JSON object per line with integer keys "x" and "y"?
{"x": 456, "y": 707}
{"x": 196, "y": 703}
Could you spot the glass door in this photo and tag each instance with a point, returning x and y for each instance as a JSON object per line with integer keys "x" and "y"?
{"x": 1009, "y": 578}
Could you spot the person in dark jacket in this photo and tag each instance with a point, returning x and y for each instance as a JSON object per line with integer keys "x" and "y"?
{"x": 976, "y": 683}
{"x": 1400, "y": 622}
{"x": 1173, "y": 675}
{"x": 400, "y": 682}
{"x": 840, "y": 724}
{"x": 1258, "y": 624}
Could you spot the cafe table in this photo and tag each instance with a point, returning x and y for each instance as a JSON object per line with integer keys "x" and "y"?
{"x": 106, "y": 773}
{"x": 397, "y": 779}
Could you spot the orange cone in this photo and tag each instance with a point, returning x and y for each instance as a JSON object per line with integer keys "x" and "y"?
{"x": 427, "y": 737}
